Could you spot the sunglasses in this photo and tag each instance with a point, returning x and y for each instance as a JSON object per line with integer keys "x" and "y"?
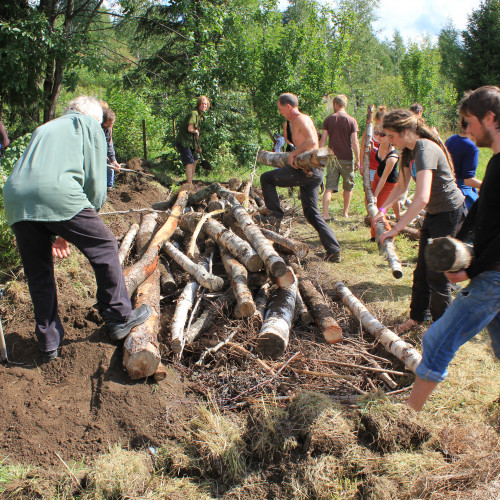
{"x": 379, "y": 133}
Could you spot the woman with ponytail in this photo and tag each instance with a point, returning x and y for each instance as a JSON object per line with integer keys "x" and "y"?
{"x": 437, "y": 192}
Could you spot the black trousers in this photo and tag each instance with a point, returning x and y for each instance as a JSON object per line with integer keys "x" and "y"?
{"x": 92, "y": 237}
{"x": 431, "y": 291}
{"x": 309, "y": 189}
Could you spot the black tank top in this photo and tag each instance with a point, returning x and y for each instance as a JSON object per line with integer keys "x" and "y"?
{"x": 392, "y": 178}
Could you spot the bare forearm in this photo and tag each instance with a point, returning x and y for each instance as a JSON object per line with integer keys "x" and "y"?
{"x": 473, "y": 182}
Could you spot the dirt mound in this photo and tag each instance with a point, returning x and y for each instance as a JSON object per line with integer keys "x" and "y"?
{"x": 84, "y": 401}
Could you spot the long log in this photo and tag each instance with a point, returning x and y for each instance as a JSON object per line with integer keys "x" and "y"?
{"x": 411, "y": 232}
{"x": 225, "y": 238}
{"x": 245, "y": 306}
{"x": 146, "y": 230}
{"x": 184, "y": 304}
{"x": 273, "y": 262}
{"x": 448, "y": 254}
{"x": 141, "y": 356}
{"x": 387, "y": 249}
{"x": 275, "y": 331}
{"x": 198, "y": 272}
{"x": 137, "y": 273}
{"x": 394, "y": 344}
{"x": 315, "y": 158}
{"x": 321, "y": 313}
{"x": 298, "y": 248}
{"x": 199, "y": 196}
{"x": 245, "y": 189}
{"x": 260, "y": 304}
{"x": 126, "y": 243}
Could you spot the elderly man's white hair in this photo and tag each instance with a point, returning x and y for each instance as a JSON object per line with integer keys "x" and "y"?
{"x": 87, "y": 106}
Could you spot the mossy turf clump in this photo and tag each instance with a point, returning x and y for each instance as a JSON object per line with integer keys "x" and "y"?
{"x": 269, "y": 434}
{"x": 331, "y": 433}
{"x": 320, "y": 478}
{"x": 306, "y": 408}
{"x": 217, "y": 445}
{"x": 388, "y": 427}
{"x": 380, "y": 488}
{"x": 173, "y": 459}
{"x": 118, "y": 474}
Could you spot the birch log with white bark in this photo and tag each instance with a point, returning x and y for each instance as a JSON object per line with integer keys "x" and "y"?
{"x": 275, "y": 331}
{"x": 315, "y": 158}
{"x": 394, "y": 344}
{"x": 198, "y": 272}
{"x": 260, "y": 304}
{"x": 298, "y": 248}
{"x": 245, "y": 306}
{"x": 168, "y": 284}
{"x": 274, "y": 263}
{"x": 387, "y": 249}
{"x": 184, "y": 304}
{"x": 126, "y": 243}
{"x": 323, "y": 316}
{"x": 141, "y": 356}
{"x": 225, "y": 238}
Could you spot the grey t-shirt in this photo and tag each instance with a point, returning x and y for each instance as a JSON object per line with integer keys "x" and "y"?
{"x": 445, "y": 194}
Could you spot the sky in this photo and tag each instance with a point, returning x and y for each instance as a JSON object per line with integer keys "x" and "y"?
{"x": 415, "y": 18}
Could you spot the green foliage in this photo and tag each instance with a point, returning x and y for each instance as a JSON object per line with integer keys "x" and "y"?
{"x": 131, "y": 109}
{"x": 8, "y": 253}
{"x": 481, "y": 57}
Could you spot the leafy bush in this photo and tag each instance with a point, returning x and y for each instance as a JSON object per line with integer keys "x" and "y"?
{"x": 8, "y": 255}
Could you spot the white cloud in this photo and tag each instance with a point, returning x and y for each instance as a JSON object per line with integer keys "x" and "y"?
{"x": 417, "y": 18}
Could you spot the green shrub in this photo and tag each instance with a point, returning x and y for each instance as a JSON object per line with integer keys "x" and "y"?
{"x": 8, "y": 254}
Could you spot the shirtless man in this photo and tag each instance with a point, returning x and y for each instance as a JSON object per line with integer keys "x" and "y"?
{"x": 305, "y": 138}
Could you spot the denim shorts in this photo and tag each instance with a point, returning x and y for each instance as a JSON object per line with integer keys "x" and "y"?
{"x": 188, "y": 156}
{"x": 476, "y": 307}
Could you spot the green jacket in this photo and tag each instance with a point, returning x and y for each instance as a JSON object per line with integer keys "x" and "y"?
{"x": 62, "y": 171}
{"x": 185, "y": 138}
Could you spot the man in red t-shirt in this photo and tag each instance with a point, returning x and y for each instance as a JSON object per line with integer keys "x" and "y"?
{"x": 341, "y": 130}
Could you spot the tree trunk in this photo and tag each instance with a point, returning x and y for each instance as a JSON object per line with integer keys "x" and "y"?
{"x": 274, "y": 263}
{"x": 126, "y": 244}
{"x": 199, "y": 273}
{"x": 399, "y": 348}
{"x": 316, "y": 158}
{"x": 136, "y": 274}
{"x": 140, "y": 350}
{"x": 225, "y": 238}
{"x": 245, "y": 306}
{"x": 298, "y": 248}
{"x": 448, "y": 254}
{"x": 321, "y": 313}
{"x": 275, "y": 331}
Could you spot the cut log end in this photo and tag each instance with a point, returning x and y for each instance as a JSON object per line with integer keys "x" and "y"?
{"x": 271, "y": 345}
{"x": 286, "y": 280}
{"x": 254, "y": 263}
{"x": 277, "y": 267}
{"x": 397, "y": 273}
{"x": 245, "y": 310}
{"x": 332, "y": 334}
{"x": 142, "y": 364}
{"x": 176, "y": 346}
{"x": 160, "y": 373}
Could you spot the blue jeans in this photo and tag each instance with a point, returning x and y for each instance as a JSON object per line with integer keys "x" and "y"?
{"x": 476, "y": 307}
{"x": 110, "y": 180}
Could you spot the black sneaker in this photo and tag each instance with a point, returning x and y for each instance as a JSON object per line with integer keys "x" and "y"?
{"x": 332, "y": 257}
{"x": 48, "y": 356}
{"x": 119, "y": 330}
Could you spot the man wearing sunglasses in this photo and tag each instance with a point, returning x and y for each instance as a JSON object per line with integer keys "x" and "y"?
{"x": 341, "y": 130}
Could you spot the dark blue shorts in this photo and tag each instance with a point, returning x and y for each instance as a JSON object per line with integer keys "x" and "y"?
{"x": 188, "y": 156}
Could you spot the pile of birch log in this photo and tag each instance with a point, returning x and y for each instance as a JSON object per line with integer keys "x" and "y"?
{"x": 230, "y": 260}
